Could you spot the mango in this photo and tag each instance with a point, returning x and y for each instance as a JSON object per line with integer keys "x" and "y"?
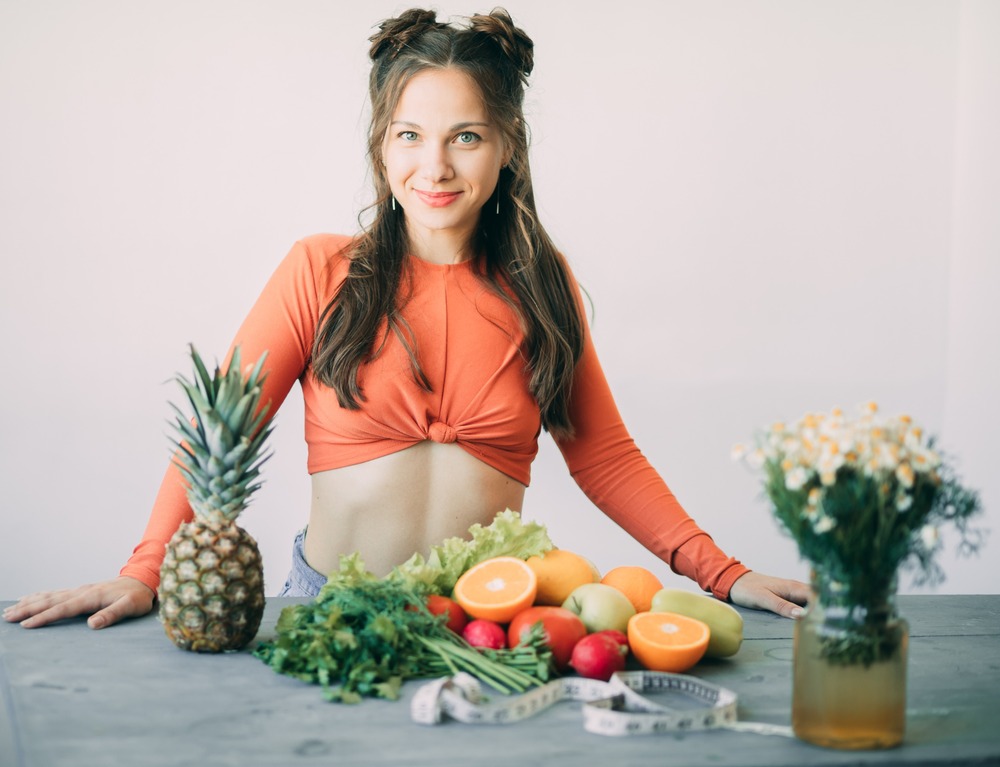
{"x": 724, "y": 622}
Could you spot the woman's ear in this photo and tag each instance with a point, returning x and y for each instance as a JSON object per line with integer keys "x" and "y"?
{"x": 506, "y": 155}
{"x": 508, "y": 148}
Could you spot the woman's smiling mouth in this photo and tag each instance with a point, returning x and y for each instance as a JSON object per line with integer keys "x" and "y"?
{"x": 437, "y": 199}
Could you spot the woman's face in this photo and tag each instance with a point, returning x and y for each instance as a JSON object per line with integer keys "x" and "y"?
{"x": 442, "y": 156}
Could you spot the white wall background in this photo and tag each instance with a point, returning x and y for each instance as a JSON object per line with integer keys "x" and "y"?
{"x": 776, "y": 206}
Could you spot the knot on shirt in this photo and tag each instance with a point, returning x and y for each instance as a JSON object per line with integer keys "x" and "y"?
{"x": 442, "y": 432}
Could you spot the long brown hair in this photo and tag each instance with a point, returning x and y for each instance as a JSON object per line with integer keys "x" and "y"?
{"x": 519, "y": 255}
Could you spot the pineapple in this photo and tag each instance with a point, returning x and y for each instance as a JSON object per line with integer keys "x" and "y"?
{"x": 212, "y": 579}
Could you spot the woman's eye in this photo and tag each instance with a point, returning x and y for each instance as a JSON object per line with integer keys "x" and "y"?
{"x": 408, "y": 135}
{"x": 467, "y": 137}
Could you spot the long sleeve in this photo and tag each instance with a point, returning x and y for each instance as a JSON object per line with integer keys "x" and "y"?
{"x": 283, "y": 323}
{"x": 610, "y": 469}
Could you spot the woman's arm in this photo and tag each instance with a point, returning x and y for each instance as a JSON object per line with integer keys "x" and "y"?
{"x": 614, "y": 474}
{"x": 611, "y": 470}
{"x": 282, "y": 322}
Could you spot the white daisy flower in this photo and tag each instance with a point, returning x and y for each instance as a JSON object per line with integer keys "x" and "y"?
{"x": 796, "y": 478}
{"x": 904, "y": 473}
{"x": 824, "y": 523}
{"x": 929, "y": 536}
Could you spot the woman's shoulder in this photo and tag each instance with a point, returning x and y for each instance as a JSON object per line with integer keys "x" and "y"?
{"x": 322, "y": 258}
{"x": 324, "y": 248}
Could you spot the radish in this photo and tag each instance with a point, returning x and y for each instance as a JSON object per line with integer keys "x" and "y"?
{"x": 618, "y": 636}
{"x": 598, "y": 656}
{"x": 484, "y": 633}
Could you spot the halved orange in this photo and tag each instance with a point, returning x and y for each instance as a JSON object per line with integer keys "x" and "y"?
{"x": 667, "y": 641}
{"x": 496, "y": 589}
{"x": 637, "y": 583}
{"x": 559, "y": 572}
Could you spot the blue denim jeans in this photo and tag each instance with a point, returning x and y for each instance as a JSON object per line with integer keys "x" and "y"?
{"x": 302, "y": 581}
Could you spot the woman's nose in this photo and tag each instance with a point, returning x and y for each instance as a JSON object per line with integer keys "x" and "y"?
{"x": 435, "y": 165}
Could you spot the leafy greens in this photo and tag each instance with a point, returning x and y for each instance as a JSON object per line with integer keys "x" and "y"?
{"x": 364, "y": 636}
{"x": 507, "y": 535}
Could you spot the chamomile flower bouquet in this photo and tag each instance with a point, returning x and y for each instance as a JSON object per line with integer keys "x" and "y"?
{"x": 863, "y": 497}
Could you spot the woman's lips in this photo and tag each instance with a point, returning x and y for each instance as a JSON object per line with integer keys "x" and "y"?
{"x": 437, "y": 199}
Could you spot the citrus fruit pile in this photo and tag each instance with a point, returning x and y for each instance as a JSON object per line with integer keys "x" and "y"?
{"x": 591, "y": 623}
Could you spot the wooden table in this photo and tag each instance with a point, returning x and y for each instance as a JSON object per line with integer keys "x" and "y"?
{"x": 127, "y": 696}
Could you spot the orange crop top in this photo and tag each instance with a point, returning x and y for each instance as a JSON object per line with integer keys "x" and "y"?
{"x": 468, "y": 341}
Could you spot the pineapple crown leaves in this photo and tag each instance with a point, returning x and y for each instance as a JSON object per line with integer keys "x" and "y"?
{"x": 220, "y": 450}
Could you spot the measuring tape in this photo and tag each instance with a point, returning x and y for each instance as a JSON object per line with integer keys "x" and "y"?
{"x": 617, "y": 707}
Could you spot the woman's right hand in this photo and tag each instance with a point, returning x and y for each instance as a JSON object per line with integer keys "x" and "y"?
{"x": 107, "y": 602}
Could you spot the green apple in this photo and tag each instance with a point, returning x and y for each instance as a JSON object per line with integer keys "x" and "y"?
{"x": 600, "y": 607}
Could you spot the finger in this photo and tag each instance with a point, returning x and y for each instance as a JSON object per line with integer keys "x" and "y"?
{"x": 763, "y": 598}
{"x": 126, "y": 606}
{"x": 33, "y": 603}
{"x": 763, "y": 592}
{"x": 768, "y": 600}
{"x": 13, "y": 612}
{"x": 104, "y": 618}
{"x": 50, "y": 611}
{"x": 788, "y": 609}
{"x": 54, "y": 606}
{"x": 791, "y": 591}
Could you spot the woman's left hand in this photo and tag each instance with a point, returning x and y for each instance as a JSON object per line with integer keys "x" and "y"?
{"x": 763, "y": 592}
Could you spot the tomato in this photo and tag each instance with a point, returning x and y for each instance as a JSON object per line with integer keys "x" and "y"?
{"x": 439, "y": 605}
{"x": 563, "y": 629}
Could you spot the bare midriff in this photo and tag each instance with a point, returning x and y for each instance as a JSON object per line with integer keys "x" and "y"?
{"x": 390, "y": 507}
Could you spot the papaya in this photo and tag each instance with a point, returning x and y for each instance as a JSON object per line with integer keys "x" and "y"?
{"x": 724, "y": 622}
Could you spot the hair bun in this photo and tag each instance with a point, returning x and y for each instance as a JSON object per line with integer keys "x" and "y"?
{"x": 516, "y": 45}
{"x": 395, "y": 34}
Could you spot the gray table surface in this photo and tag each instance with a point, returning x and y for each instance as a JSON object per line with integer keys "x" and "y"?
{"x": 127, "y": 696}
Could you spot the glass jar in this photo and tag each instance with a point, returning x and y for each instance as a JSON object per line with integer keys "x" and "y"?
{"x": 849, "y": 677}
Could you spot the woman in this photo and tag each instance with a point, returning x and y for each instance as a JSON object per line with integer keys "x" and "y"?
{"x": 434, "y": 346}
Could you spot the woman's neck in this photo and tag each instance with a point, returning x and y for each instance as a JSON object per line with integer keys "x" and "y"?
{"x": 442, "y": 247}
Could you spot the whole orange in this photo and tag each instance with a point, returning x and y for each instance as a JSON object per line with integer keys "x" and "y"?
{"x": 637, "y": 583}
{"x": 559, "y": 572}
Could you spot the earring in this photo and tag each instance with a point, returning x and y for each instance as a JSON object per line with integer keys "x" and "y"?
{"x": 394, "y": 202}
{"x": 498, "y": 202}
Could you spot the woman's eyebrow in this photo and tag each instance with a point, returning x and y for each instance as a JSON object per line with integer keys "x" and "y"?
{"x": 455, "y": 127}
